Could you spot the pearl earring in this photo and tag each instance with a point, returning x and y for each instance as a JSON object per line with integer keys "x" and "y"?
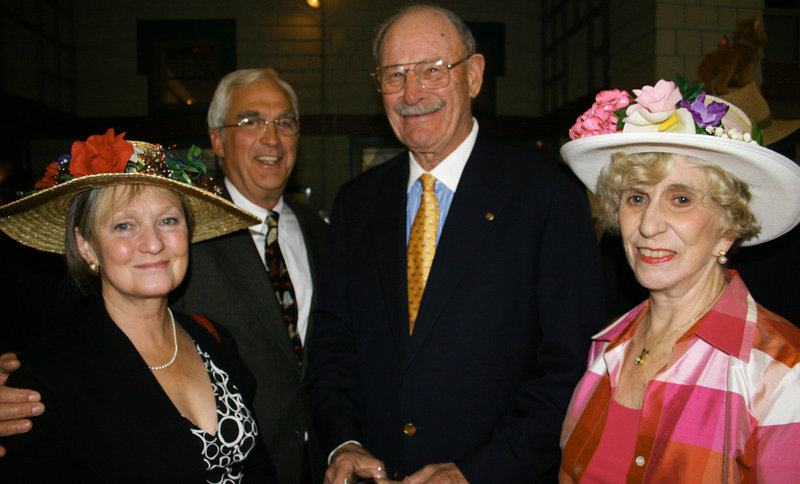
{"x": 93, "y": 267}
{"x": 722, "y": 259}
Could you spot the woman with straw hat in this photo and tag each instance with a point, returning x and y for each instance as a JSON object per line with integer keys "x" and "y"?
{"x": 698, "y": 383}
{"x": 136, "y": 393}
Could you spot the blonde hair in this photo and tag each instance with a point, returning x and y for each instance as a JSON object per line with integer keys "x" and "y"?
{"x": 727, "y": 192}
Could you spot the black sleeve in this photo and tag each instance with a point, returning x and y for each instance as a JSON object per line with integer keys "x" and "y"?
{"x": 38, "y": 455}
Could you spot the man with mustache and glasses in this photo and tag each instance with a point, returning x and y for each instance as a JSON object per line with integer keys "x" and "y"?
{"x": 253, "y": 124}
{"x": 461, "y": 286}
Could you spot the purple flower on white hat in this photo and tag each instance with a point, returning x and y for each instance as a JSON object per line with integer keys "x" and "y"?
{"x": 705, "y": 114}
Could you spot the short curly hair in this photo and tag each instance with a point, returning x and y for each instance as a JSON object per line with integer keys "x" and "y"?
{"x": 730, "y": 194}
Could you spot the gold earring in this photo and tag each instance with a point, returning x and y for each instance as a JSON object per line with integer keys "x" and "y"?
{"x": 93, "y": 267}
{"x": 722, "y": 259}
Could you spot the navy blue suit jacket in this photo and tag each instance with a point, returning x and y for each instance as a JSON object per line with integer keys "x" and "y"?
{"x": 503, "y": 329}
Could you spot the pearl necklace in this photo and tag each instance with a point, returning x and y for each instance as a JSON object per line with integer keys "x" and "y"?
{"x": 174, "y": 337}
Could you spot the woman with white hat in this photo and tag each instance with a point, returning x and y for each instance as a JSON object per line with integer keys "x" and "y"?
{"x": 136, "y": 393}
{"x": 698, "y": 383}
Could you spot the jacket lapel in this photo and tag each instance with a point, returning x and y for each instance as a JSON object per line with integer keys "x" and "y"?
{"x": 141, "y": 397}
{"x": 312, "y": 266}
{"x": 387, "y": 225}
{"x": 241, "y": 263}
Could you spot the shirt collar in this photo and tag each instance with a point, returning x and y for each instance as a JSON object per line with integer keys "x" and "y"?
{"x": 449, "y": 170}
{"x": 242, "y": 201}
{"x": 729, "y": 326}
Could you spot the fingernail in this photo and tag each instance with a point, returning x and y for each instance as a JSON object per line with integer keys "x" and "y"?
{"x": 34, "y": 397}
{"x": 24, "y": 426}
{"x": 37, "y": 409}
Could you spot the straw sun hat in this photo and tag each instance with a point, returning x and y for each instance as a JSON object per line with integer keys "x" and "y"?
{"x": 750, "y": 100}
{"x": 38, "y": 220}
{"x": 683, "y": 120}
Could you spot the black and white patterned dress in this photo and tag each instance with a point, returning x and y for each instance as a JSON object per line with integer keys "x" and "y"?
{"x": 237, "y": 432}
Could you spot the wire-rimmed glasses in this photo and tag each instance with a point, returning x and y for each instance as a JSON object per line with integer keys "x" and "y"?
{"x": 286, "y": 125}
{"x": 430, "y": 74}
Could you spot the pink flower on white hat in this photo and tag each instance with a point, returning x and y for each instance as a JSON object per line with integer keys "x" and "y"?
{"x": 600, "y": 118}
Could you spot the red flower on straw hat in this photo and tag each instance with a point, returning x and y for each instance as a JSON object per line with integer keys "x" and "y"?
{"x": 100, "y": 154}
{"x": 105, "y": 153}
{"x": 49, "y": 178}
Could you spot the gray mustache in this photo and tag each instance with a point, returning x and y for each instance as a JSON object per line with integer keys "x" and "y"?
{"x": 418, "y": 109}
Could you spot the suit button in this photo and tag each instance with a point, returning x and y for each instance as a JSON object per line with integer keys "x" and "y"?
{"x": 409, "y": 429}
{"x": 297, "y": 434}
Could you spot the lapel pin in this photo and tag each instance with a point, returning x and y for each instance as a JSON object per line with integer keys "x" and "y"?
{"x": 489, "y": 216}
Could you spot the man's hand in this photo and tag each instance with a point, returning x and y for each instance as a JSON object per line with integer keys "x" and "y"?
{"x": 352, "y": 461}
{"x": 15, "y": 404}
{"x": 437, "y": 474}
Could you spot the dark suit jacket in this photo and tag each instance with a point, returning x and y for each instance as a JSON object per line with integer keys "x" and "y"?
{"x": 503, "y": 329}
{"x": 228, "y": 283}
{"x": 107, "y": 418}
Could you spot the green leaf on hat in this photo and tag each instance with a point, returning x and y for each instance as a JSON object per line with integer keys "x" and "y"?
{"x": 195, "y": 152}
{"x": 620, "y": 114}
{"x": 689, "y": 91}
{"x": 757, "y": 133}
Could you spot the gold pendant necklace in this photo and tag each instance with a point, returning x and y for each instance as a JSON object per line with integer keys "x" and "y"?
{"x": 640, "y": 359}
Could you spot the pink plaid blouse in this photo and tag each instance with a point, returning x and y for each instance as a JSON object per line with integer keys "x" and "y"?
{"x": 725, "y": 409}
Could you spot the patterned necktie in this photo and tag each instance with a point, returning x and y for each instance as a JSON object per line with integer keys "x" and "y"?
{"x": 421, "y": 247}
{"x": 281, "y": 283}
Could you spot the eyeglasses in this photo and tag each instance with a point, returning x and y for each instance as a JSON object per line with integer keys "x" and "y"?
{"x": 284, "y": 126}
{"x": 430, "y": 75}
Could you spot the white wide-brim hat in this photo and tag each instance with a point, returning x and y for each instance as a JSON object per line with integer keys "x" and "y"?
{"x": 773, "y": 179}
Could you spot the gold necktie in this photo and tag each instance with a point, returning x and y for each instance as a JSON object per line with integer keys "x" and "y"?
{"x": 421, "y": 247}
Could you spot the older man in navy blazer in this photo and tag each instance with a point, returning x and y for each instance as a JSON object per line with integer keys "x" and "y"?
{"x": 473, "y": 388}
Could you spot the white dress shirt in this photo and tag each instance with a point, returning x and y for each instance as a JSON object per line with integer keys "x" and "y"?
{"x": 447, "y": 174}
{"x": 449, "y": 170}
{"x": 293, "y": 248}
